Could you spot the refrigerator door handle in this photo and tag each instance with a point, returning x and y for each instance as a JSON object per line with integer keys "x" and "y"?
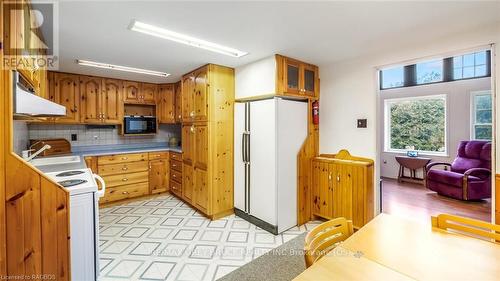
{"x": 243, "y": 147}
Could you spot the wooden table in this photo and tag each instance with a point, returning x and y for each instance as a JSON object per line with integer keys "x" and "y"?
{"x": 412, "y": 164}
{"x": 392, "y": 248}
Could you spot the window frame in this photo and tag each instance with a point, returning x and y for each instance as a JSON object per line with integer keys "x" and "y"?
{"x": 473, "y": 123}
{"x": 387, "y": 125}
{"x": 410, "y": 72}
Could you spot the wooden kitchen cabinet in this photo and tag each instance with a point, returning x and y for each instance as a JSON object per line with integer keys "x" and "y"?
{"x": 207, "y": 139}
{"x": 176, "y": 175}
{"x": 297, "y": 78}
{"x": 187, "y": 93}
{"x": 200, "y": 102}
{"x": 342, "y": 186}
{"x": 130, "y": 92}
{"x": 201, "y": 146}
{"x": 158, "y": 176}
{"x": 187, "y": 132}
{"x": 67, "y": 93}
{"x": 147, "y": 93}
{"x": 165, "y": 105}
{"x": 112, "y": 101}
{"x": 187, "y": 183}
{"x": 178, "y": 102}
{"x": 91, "y": 99}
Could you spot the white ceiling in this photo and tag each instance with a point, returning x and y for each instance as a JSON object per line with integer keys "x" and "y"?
{"x": 320, "y": 32}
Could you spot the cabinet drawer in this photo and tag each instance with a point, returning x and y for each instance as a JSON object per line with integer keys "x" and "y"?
{"x": 176, "y": 165}
{"x": 126, "y": 179}
{"x": 123, "y": 168}
{"x": 158, "y": 155}
{"x": 176, "y": 176}
{"x": 125, "y": 191}
{"x": 175, "y": 187}
{"x": 176, "y": 156}
{"x": 121, "y": 158}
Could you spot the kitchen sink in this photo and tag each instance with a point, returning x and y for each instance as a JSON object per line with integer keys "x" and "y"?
{"x": 55, "y": 160}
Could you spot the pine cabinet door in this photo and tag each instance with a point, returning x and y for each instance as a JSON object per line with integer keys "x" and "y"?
{"x": 158, "y": 176}
{"x": 187, "y": 182}
{"x": 309, "y": 80}
{"x": 166, "y": 103}
{"x": 201, "y": 189}
{"x": 90, "y": 93}
{"x": 67, "y": 93}
{"x": 178, "y": 102}
{"x": 201, "y": 146}
{"x": 322, "y": 189}
{"x": 291, "y": 76}
{"x": 112, "y": 101}
{"x": 131, "y": 91}
{"x": 148, "y": 92}
{"x": 188, "y": 143}
{"x": 187, "y": 97}
{"x": 201, "y": 95}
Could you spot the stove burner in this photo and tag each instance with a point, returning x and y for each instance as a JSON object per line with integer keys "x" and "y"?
{"x": 68, "y": 183}
{"x": 69, "y": 173}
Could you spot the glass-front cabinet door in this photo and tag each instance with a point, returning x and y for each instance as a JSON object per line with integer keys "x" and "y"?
{"x": 309, "y": 80}
{"x": 292, "y": 76}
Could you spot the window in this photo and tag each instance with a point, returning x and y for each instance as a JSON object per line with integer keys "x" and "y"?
{"x": 470, "y": 65}
{"x": 392, "y": 78}
{"x": 416, "y": 124}
{"x": 481, "y": 117}
{"x": 430, "y": 72}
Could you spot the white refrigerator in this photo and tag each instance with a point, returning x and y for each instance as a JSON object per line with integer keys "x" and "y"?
{"x": 268, "y": 136}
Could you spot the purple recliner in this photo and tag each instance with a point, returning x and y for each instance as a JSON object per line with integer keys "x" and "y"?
{"x": 469, "y": 176}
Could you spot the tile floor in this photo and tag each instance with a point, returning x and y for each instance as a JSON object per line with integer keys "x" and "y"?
{"x": 162, "y": 238}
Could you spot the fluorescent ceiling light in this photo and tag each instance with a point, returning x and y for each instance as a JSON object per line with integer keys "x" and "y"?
{"x": 184, "y": 39}
{"x": 122, "y": 68}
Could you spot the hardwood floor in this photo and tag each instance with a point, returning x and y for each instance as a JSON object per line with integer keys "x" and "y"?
{"x": 415, "y": 202}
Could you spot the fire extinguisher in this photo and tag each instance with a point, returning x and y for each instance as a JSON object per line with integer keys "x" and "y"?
{"x": 315, "y": 111}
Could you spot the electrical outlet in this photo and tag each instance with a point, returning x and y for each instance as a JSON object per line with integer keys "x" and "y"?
{"x": 96, "y": 137}
{"x": 74, "y": 137}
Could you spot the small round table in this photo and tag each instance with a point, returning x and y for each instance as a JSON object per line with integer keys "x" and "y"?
{"x": 412, "y": 164}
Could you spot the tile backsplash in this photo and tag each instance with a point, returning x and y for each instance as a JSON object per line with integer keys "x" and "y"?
{"x": 96, "y": 135}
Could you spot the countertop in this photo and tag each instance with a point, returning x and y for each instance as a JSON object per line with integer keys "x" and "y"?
{"x": 100, "y": 150}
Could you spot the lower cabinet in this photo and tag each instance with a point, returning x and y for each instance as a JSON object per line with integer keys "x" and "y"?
{"x": 131, "y": 175}
{"x": 187, "y": 183}
{"x": 158, "y": 176}
{"x": 201, "y": 189}
{"x": 342, "y": 186}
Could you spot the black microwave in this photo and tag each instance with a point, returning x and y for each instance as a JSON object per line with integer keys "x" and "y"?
{"x": 139, "y": 125}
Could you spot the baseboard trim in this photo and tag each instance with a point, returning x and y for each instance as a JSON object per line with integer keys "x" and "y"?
{"x": 258, "y": 222}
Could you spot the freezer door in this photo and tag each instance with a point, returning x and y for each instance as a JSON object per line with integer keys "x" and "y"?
{"x": 292, "y": 132}
{"x": 239, "y": 166}
{"x": 263, "y": 160}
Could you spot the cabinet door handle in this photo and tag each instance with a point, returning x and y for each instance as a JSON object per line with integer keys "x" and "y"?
{"x": 124, "y": 158}
{"x": 191, "y": 114}
{"x": 338, "y": 178}
{"x": 125, "y": 192}
{"x": 173, "y": 165}
{"x": 125, "y": 168}
{"x": 124, "y": 179}
{"x": 330, "y": 176}
{"x": 192, "y": 129}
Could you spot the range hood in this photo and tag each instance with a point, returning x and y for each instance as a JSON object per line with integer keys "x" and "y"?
{"x": 27, "y": 104}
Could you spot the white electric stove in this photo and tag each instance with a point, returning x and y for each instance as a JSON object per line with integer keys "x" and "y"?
{"x": 84, "y": 220}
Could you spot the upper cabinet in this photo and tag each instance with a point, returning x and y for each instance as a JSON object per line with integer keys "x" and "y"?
{"x": 297, "y": 78}
{"x": 91, "y": 99}
{"x": 148, "y": 93}
{"x": 131, "y": 91}
{"x": 178, "y": 102}
{"x": 67, "y": 93}
{"x": 112, "y": 101}
{"x": 277, "y": 75}
{"x": 165, "y": 105}
{"x": 195, "y": 95}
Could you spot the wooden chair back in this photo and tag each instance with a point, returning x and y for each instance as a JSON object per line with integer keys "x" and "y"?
{"x": 324, "y": 237}
{"x": 467, "y": 226}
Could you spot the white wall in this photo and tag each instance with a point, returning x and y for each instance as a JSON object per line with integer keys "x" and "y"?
{"x": 458, "y": 105}
{"x": 349, "y": 88}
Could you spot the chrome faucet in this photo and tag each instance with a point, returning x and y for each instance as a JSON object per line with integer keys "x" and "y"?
{"x": 28, "y": 156}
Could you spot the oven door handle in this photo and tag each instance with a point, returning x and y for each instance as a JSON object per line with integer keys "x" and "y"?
{"x": 100, "y": 192}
